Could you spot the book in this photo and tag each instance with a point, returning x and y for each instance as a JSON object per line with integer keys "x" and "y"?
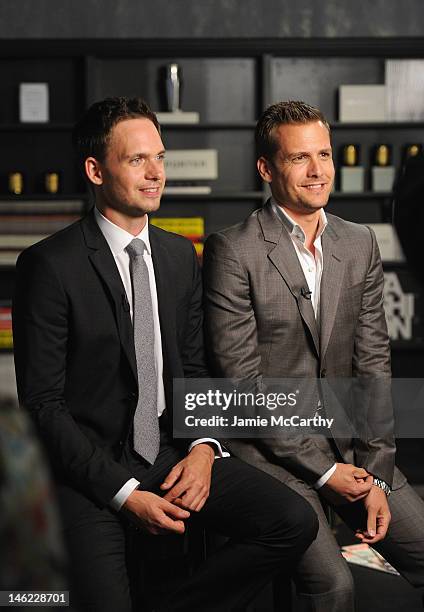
{"x": 6, "y": 335}
{"x": 362, "y": 554}
{"x": 192, "y": 228}
{"x": 19, "y": 206}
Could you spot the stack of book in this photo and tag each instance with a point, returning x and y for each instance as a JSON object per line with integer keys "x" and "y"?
{"x": 6, "y": 337}
{"x": 192, "y": 228}
{"x": 26, "y": 222}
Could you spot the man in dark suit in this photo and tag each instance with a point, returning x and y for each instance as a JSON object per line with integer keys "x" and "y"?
{"x": 294, "y": 293}
{"x": 106, "y": 314}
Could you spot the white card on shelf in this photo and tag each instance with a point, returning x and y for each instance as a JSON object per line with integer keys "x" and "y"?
{"x": 191, "y": 164}
{"x": 34, "y": 102}
{"x": 362, "y": 103}
{"x": 388, "y": 242}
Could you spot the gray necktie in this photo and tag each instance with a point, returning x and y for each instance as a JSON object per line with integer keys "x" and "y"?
{"x": 146, "y": 422}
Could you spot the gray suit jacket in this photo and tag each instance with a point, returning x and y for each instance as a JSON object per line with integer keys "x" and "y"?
{"x": 259, "y": 325}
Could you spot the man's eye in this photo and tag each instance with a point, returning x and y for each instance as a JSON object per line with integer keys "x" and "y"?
{"x": 325, "y": 155}
{"x": 299, "y": 158}
{"x": 161, "y": 156}
{"x": 135, "y": 161}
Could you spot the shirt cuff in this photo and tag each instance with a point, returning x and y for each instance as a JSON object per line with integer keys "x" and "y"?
{"x": 219, "y": 452}
{"x": 321, "y": 482}
{"x": 124, "y": 492}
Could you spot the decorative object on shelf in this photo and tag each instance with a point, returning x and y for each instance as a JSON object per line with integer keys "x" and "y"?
{"x": 173, "y": 90}
{"x": 411, "y": 150}
{"x": 405, "y": 89}
{"x": 186, "y": 167}
{"x": 362, "y": 103}
{"x": 402, "y": 299}
{"x": 382, "y": 172}
{"x": 34, "y": 102}
{"x": 352, "y": 176}
{"x": 15, "y": 183}
{"x": 51, "y": 182}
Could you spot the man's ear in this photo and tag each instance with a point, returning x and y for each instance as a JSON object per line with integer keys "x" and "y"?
{"x": 93, "y": 170}
{"x": 264, "y": 169}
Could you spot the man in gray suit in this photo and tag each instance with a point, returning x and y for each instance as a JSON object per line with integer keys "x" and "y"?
{"x": 294, "y": 292}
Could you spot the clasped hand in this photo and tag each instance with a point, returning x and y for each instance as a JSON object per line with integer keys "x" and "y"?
{"x": 350, "y": 483}
{"x": 187, "y": 488}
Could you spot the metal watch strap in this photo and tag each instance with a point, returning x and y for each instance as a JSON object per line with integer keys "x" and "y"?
{"x": 382, "y": 485}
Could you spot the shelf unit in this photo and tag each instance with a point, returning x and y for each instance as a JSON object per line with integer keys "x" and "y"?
{"x": 229, "y": 82}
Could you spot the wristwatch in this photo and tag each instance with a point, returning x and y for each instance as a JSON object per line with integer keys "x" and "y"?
{"x": 382, "y": 485}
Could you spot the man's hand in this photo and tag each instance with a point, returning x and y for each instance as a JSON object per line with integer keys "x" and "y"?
{"x": 155, "y": 514}
{"x": 378, "y": 516}
{"x": 347, "y": 483}
{"x": 189, "y": 481}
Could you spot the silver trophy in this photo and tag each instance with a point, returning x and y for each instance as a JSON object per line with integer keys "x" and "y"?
{"x": 173, "y": 87}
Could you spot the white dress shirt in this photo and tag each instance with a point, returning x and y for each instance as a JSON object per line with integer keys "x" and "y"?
{"x": 312, "y": 267}
{"x": 118, "y": 239}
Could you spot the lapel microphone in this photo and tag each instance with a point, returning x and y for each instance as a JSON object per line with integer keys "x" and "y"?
{"x": 306, "y": 293}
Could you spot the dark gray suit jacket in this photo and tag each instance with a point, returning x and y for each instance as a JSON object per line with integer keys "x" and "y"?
{"x": 259, "y": 325}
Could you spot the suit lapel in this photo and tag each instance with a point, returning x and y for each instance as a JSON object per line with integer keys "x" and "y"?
{"x": 102, "y": 260}
{"x": 283, "y": 256}
{"x": 331, "y": 283}
{"x": 164, "y": 276}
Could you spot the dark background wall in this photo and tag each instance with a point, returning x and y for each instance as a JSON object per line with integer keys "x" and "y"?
{"x": 209, "y": 18}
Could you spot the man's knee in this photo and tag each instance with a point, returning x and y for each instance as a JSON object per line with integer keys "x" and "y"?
{"x": 328, "y": 581}
{"x": 297, "y": 523}
{"x": 305, "y": 523}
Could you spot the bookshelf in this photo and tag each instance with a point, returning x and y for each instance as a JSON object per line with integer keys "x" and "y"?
{"x": 229, "y": 82}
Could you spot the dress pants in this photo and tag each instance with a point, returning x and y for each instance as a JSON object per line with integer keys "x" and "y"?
{"x": 323, "y": 579}
{"x": 269, "y": 527}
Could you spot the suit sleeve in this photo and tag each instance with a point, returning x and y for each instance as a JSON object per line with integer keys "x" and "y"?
{"x": 232, "y": 341}
{"x": 375, "y": 448}
{"x": 41, "y": 337}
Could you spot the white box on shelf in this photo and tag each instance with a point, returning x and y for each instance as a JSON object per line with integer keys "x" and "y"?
{"x": 34, "y": 102}
{"x": 382, "y": 178}
{"x": 178, "y": 118}
{"x": 388, "y": 242}
{"x": 191, "y": 164}
{"x": 352, "y": 179}
{"x": 405, "y": 89}
{"x": 362, "y": 103}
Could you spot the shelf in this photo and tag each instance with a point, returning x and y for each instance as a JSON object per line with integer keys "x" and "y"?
{"x": 36, "y": 127}
{"x": 362, "y": 195}
{"x": 216, "y": 195}
{"x": 48, "y": 197}
{"x": 386, "y": 125}
{"x": 40, "y": 205}
{"x": 248, "y": 125}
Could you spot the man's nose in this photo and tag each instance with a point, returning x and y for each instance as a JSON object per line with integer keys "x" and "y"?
{"x": 315, "y": 167}
{"x": 154, "y": 169}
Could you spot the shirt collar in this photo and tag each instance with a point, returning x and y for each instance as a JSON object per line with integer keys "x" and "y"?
{"x": 294, "y": 228}
{"x": 117, "y": 238}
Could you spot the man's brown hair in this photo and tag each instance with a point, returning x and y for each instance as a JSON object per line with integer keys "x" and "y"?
{"x": 290, "y": 112}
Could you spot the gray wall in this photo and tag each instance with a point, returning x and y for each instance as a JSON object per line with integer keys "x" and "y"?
{"x": 209, "y": 18}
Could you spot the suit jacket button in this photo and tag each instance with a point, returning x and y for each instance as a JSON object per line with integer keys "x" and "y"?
{"x": 323, "y": 373}
{"x": 133, "y": 395}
